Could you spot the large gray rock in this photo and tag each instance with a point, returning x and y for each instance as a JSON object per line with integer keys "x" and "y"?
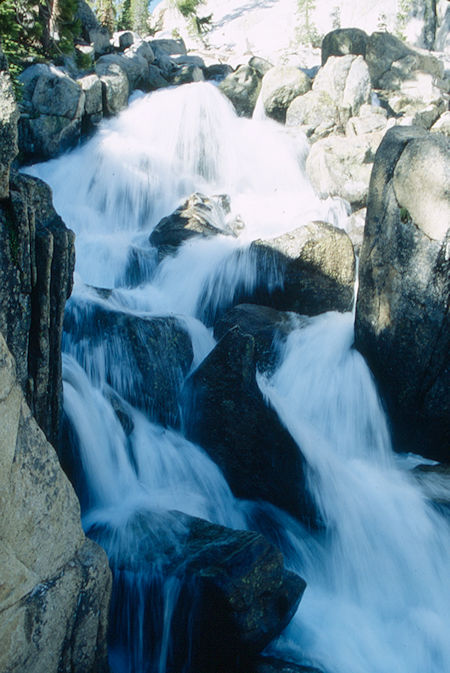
{"x": 36, "y": 265}
{"x": 341, "y": 166}
{"x": 226, "y": 414}
{"x": 391, "y": 61}
{"x": 52, "y": 109}
{"x": 133, "y": 65}
{"x": 280, "y": 85}
{"x": 93, "y": 101}
{"x": 242, "y": 87}
{"x": 346, "y": 79}
{"x": 55, "y": 584}
{"x": 115, "y": 86}
{"x": 235, "y": 595}
{"x": 170, "y": 47}
{"x": 88, "y": 20}
{"x": 344, "y": 41}
{"x": 402, "y": 318}
{"x": 9, "y": 115}
{"x": 341, "y": 87}
{"x": 317, "y": 264}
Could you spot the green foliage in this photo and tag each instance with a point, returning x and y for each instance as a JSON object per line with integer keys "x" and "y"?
{"x": 188, "y": 8}
{"x": 33, "y": 30}
{"x": 404, "y": 8}
{"x": 125, "y": 19}
{"x": 307, "y": 32}
{"x": 106, "y": 14}
{"x": 139, "y": 16}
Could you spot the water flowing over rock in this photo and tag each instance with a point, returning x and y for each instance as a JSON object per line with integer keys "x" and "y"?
{"x": 226, "y": 414}
{"x": 36, "y": 266}
{"x": 402, "y": 319}
{"x": 233, "y": 593}
{"x": 55, "y": 584}
{"x": 199, "y": 216}
{"x": 317, "y": 265}
{"x": 158, "y": 352}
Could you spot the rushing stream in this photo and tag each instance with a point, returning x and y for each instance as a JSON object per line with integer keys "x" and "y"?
{"x": 378, "y": 595}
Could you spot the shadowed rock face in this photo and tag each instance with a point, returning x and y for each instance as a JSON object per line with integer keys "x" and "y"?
{"x": 402, "y": 315}
{"x": 234, "y": 596}
{"x": 228, "y": 417}
{"x": 36, "y": 265}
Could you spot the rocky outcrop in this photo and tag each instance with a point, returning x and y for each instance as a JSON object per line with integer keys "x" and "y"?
{"x": 392, "y": 62}
{"x": 342, "y": 165}
{"x": 55, "y": 584}
{"x": 242, "y": 87}
{"x": 317, "y": 265}
{"x": 156, "y": 352}
{"x": 280, "y": 86}
{"x": 339, "y": 90}
{"x": 36, "y": 265}
{"x": 227, "y": 415}
{"x": 199, "y": 216}
{"x": 402, "y": 316}
{"x": 343, "y": 41}
{"x": 51, "y": 110}
{"x": 234, "y": 594}
{"x": 9, "y": 115}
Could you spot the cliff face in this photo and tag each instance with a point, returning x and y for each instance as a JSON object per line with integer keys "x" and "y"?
{"x": 54, "y": 584}
{"x": 36, "y": 266}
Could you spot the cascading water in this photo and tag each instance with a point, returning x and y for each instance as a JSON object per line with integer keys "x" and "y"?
{"x": 378, "y": 596}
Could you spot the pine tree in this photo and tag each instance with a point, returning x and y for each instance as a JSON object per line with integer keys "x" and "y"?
{"x": 139, "y": 16}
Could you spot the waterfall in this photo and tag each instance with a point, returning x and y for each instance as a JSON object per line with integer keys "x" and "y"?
{"x": 378, "y": 597}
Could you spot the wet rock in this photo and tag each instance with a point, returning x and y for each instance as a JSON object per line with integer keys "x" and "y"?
{"x": 157, "y": 352}
{"x": 317, "y": 266}
{"x": 55, "y": 585}
{"x": 36, "y": 266}
{"x": 9, "y": 115}
{"x": 434, "y": 481}
{"x": 267, "y": 326}
{"x": 242, "y": 87}
{"x": 226, "y": 414}
{"x": 235, "y": 593}
{"x": 341, "y": 166}
{"x": 273, "y": 665}
{"x": 199, "y": 216}
{"x": 280, "y": 86}
{"x": 343, "y": 41}
{"x": 402, "y": 316}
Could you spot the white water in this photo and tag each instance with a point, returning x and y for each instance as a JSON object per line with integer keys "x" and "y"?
{"x": 378, "y": 595}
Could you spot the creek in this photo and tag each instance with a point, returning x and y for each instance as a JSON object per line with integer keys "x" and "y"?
{"x": 377, "y": 572}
